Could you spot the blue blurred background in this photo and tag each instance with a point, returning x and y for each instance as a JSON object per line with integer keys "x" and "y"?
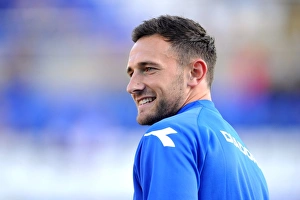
{"x": 67, "y": 125}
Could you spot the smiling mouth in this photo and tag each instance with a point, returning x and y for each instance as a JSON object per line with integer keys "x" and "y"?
{"x": 146, "y": 100}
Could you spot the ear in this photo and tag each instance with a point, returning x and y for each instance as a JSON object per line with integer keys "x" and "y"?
{"x": 198, "y": 72}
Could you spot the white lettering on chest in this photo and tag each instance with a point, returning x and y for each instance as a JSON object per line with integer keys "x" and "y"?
{"x": 229, "y": 138}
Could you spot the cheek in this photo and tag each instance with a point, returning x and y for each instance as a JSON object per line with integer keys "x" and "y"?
{"x": 173, "y": 91}
{"x": 168, "y": 87}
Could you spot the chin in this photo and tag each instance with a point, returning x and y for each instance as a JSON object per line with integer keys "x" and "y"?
{"x": 143, "y": 122}
{"x": 148, "y": 120}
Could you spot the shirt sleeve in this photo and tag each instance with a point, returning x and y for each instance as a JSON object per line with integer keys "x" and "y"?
{"x": 166, "y": 166}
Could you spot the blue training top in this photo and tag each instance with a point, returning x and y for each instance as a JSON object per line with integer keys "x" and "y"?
{"x": 196, "y": 154}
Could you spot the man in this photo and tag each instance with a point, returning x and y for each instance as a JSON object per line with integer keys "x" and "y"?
{"x": 189, "y": 151}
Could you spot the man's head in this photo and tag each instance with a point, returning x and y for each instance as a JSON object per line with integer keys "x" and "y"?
{"x": 187, "y": 38}
{"x": 170, "y": 65}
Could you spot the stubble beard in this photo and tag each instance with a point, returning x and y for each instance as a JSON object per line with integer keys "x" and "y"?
{"x": 166, "y": 107}
{"x": 163, "y": 110}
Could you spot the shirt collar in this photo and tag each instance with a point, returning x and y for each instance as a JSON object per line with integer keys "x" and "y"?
{"x": 204, "y": 103}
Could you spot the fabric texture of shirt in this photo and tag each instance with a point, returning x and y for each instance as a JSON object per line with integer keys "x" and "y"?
{"x": 196, "y": 154}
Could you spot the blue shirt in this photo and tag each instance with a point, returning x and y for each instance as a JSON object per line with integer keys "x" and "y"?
{"x": 193, "y": 155}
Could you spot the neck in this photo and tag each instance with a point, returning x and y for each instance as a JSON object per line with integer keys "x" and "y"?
{"x": 198, "y": 95}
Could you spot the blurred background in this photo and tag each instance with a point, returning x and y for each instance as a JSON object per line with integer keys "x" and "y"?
{"x": 67, "y": 125}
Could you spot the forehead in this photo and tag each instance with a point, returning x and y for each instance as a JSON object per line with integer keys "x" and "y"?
{"x": 150, "y": 48}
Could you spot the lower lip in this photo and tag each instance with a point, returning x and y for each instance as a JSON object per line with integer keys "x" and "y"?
{"x": 146, "y": 104}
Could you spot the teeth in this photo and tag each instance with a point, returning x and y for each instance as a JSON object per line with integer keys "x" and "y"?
{"x": 146, "y": 100}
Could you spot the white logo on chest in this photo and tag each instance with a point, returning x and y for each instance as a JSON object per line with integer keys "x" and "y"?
{"x": 162, "y": 136}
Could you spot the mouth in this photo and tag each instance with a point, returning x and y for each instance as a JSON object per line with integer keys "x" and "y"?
{"x": 146, "y": 100}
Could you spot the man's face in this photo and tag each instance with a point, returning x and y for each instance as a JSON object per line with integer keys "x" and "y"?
{"x": 157, "y": 83}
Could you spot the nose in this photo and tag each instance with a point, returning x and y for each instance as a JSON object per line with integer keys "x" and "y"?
{"x": 135, "y": 84}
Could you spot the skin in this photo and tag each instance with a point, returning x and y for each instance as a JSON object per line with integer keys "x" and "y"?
{"x": 155, "y": 75}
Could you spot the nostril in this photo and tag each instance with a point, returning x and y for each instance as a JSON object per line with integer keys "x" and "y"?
{"x": 135, "y": 86}
{"x": 132, "y": 88}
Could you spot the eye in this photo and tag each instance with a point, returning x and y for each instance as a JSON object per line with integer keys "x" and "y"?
{"x": 148, "y": 69}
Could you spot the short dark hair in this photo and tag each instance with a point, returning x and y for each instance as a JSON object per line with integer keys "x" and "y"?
{"x": 187, "y": 37}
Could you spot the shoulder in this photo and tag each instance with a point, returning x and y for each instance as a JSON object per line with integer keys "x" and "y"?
{"x": 180, "y": 131}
